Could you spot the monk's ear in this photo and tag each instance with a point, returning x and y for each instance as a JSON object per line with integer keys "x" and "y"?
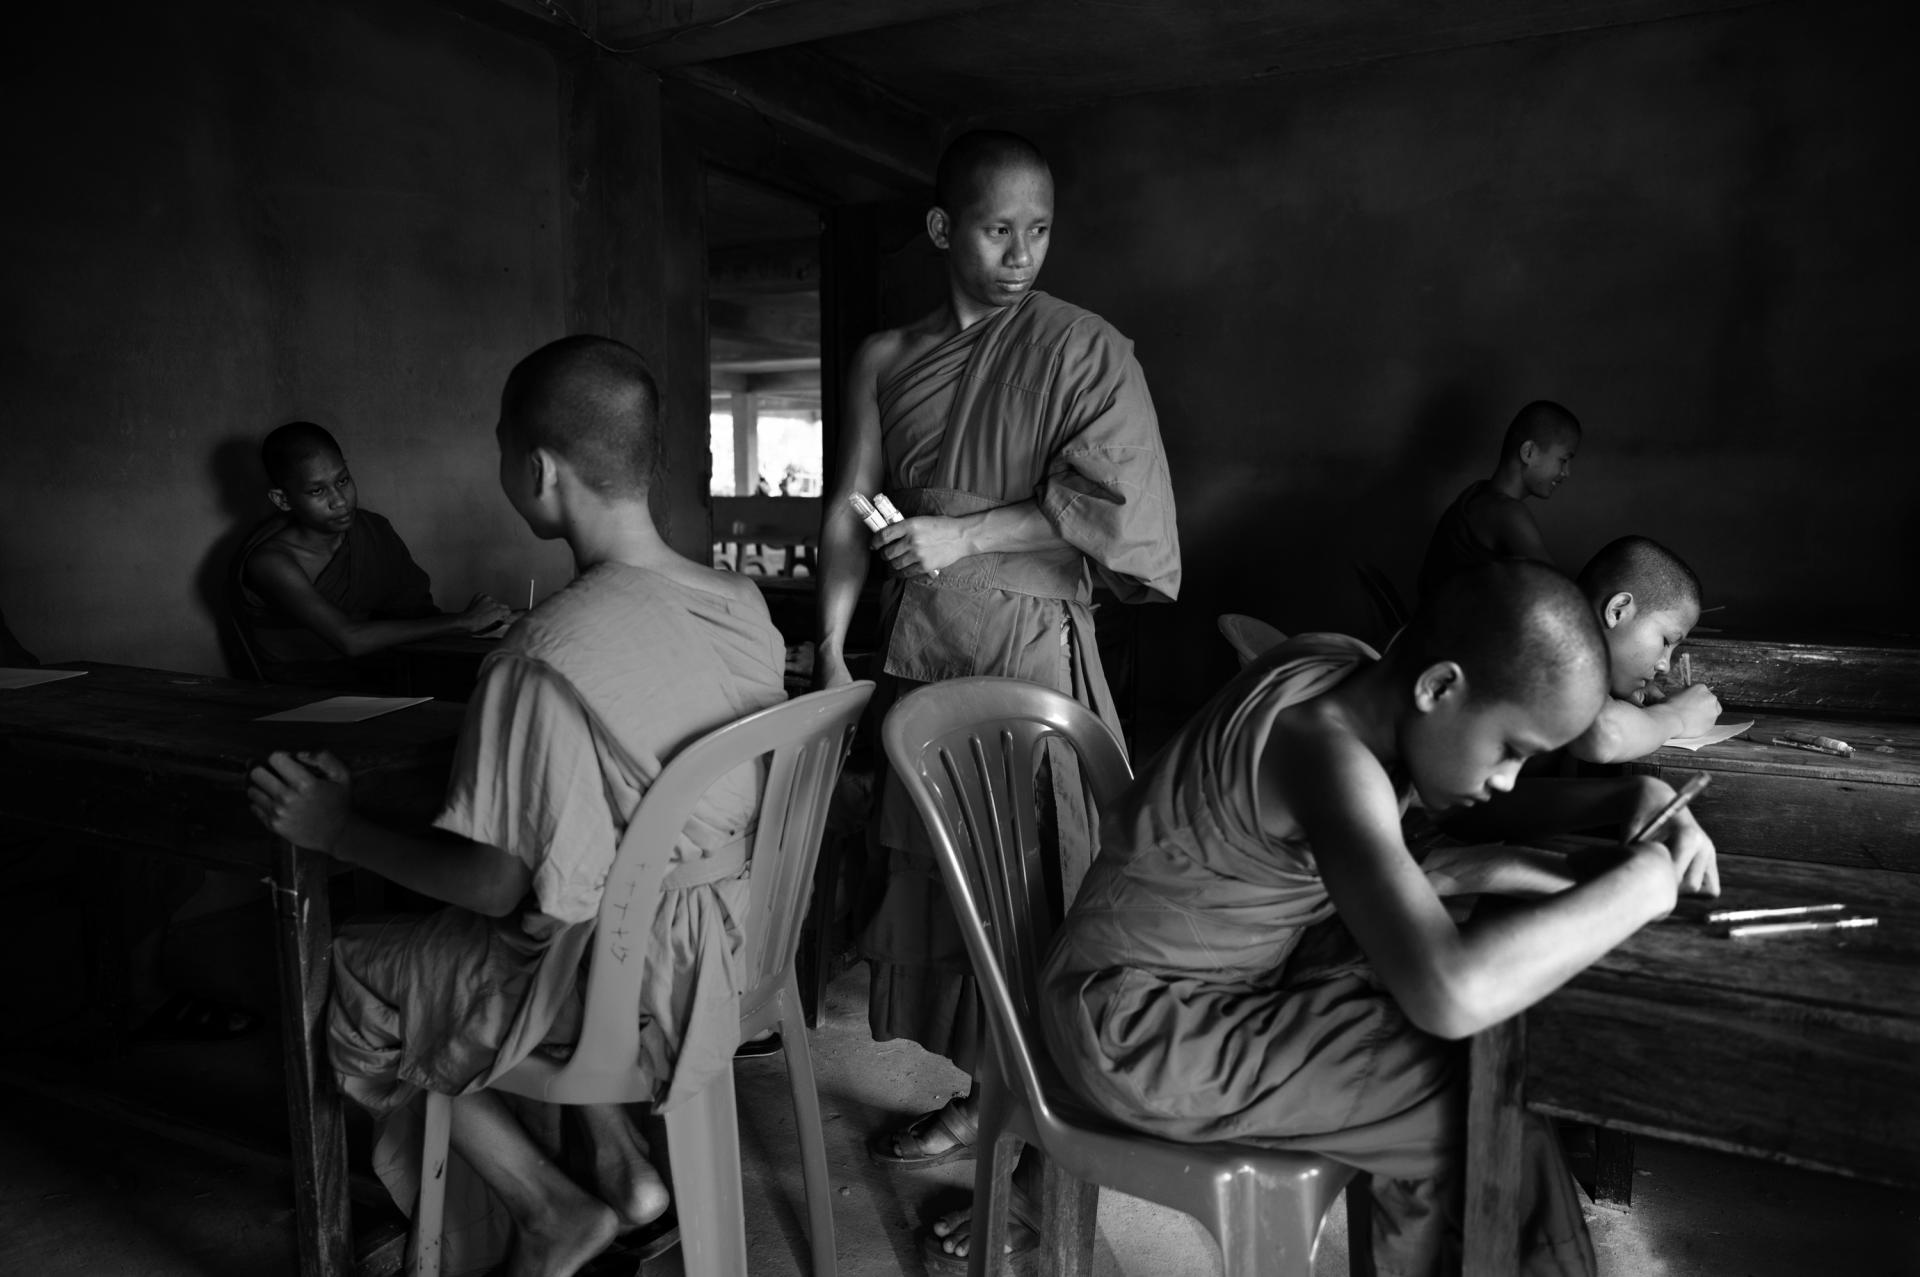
{"x": 1618, "y": 611}
{"x": 279, "y": 498}
{"x": 543, "y": 471}
{"x": 939, "y": 228}
{"x": 1441, "y": 683}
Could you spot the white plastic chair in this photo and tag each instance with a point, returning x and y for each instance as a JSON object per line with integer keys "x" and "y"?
{"x": 808, "y": 739}
{"x": 1249, "y": 636}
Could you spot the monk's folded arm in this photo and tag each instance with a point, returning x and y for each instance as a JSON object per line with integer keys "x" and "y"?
{"x": 1625, "y": 730}
{"x": 473, "y": 875}
{"x": 1011, "y": 529}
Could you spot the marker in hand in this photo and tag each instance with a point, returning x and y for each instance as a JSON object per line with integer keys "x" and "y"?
{"x": 1688, "y": 792}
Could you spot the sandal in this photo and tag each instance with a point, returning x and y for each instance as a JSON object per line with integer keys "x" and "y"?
{"x": 1023, "y": 1243}
{"x": 187, "y": 1017}
{"x": 949, "y": 1120}
{"x": 759, "y": 1048}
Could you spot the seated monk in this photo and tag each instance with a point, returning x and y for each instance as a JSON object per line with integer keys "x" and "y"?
{"x": 325, "y": 583}
{"x": 1256, "y": 955}
{"x": 1648, "y": 601}
{"x": 588, "y": 697}
{"x": 1489, "y": 520}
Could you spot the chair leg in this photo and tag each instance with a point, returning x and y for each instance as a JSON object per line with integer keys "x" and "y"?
{"x": 817, "y": 959}
{"x": 1069, "y": 1209}
{"x": 1360, "y": 1226}
{"x": 703, "y": 1151}
{"x": 997, "y": 1154}
{"x": 806, "y": 1121}
{"x": 428, "y": 1212}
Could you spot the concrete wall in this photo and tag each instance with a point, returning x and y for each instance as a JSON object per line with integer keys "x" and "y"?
{"x": 1695, "y": 233}
{"x": 223, "y": 216}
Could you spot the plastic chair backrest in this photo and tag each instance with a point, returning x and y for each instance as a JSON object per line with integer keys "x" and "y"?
{"x": 235, "y": 620}
{"x": 967, "y": 750}
{"x": 1249, "y": 635}
{"x": 808, "y": 739}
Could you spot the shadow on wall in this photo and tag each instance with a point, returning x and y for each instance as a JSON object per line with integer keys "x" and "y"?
{"x": 233, "y": 468}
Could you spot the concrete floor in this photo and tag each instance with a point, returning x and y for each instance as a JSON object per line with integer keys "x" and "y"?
{"x": 83, "y": 1194}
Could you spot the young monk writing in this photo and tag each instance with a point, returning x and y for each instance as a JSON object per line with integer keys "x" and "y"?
{"x": 1489, "y": 520}
{"x": 324, "y": 582}
{"x": 1256, "y": 956}
{"x": 1016, "y": 434}
{"x": 1648, "y": 601}
{"x": 575, "y": 715}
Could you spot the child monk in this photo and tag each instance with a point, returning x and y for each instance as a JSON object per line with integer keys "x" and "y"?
{"x": 588, "y": 697}
{"x": 1648, "y": 601}
{"x": 1256, "y": 955}
{"x": 325, "y": 583}
{"x": 1490, "y": 520}
{"x": 1016, "y": 433}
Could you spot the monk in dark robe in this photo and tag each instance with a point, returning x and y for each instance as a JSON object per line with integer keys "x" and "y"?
{"x": 1489, "y": 520}
{"x": 1015, "y": 433}
{"x": 325, "y": 584}
{"x": 1257, "y": 955}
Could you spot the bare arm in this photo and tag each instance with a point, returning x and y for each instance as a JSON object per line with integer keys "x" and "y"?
{"x": 1511, "y": 531}
{"x": 928, "y": 543}
{"x": 307, "y": 799}
{"x": 843, "y": 538}
{"x": 1625, "y": 730}
{"x": 1450, "y": 980}
{"x": 274, "y": 574}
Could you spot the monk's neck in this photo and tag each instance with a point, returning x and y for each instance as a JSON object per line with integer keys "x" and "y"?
{"x": 1509, "y": 481}
{"x": 307, "y": 540}
{"x": 618, "y": 532}
{"x": 1371, "y": 701}
{"x": 964, "y": 312}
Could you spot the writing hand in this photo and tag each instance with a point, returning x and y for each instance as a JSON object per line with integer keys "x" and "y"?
{"x": 1699, "y": 709}
{"x": 483, "y": 613}
{"x": 1695, "y": 863}
{"x": 305, "y": 798}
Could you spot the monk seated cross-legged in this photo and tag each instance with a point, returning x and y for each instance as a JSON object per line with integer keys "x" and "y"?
{"x": 1257, "y": 956}
{"x": 325, "y": 583}
{"x": 587, "y": 698}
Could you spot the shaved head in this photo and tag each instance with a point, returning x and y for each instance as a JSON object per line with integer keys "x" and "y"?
{"x": 1520, "y": 631}
{"x": 1658, "y": 579}
{"x": 282, "y": 451}
{"x": 1540, "y": 423}
{"x": 974, "y": 158}
{"x": 591, "y": 401}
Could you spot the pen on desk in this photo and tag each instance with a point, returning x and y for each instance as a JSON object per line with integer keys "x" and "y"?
{"x": 1813, "y": 745}
{"x": 1686, "y": 669}
{"x": 1783, "y": 928}
{"x": 1688, "y": 792}
{"x": 1754, "y": 915}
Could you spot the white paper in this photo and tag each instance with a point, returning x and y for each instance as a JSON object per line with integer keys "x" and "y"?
{"x": 12, "y": 677}
{"x": 343, "y": 709}
{"x": 1720, "y": 732}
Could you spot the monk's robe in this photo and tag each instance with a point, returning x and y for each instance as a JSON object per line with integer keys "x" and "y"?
{"x": 1455, "y": 547}
{"x": 588, "y": 697}
{"x": 1042, "y": 401}
{"x": 12, "y": 651}
{"x": 370, "y": 577}
{"x": 1202, "y": 988}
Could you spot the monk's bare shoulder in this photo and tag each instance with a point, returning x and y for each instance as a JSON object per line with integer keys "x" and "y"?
{"x": 1311, "y": 749}
{"x": 888, "y": 351}
{"x": 276, "y": 562}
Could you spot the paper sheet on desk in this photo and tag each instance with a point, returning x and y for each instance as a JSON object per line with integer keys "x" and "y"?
{"x": 12, "y": 678}
{"x": 1720, "y": 732}
{"x": 344, "y": 709}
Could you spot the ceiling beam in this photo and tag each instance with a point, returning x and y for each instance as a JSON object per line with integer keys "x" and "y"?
{"x": 523, "y": 18}
{"x": 777, "y": 266}
{"x": 809, "y": 95}
{"x": 674, "y": 33}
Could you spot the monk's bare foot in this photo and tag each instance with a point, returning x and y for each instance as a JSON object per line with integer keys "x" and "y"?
{"x": 562, "y": 1239}
{"x": 623, "y": 1178}
{"x": 952, "y": 1233}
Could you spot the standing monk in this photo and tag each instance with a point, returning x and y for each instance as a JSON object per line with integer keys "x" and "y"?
{"x": 1016, "y": 434}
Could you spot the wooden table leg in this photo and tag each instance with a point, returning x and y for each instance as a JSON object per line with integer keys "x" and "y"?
{"x": 305, "y": 935}
{"x": 1494, "y": 1116}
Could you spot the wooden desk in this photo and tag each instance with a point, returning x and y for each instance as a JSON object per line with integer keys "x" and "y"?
{"x": 156, "y": 761}
{"x": 1799, "y": 1049}
{"x": 1874, "y": 681}
{"x": 1776, "y": 801}
{"x": 446, "y": 667}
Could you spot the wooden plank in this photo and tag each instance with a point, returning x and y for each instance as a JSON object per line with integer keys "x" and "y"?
{"x": 1767, "y": 1077}
{"x": 1494, "y": 1123}
{"x": 1845, "y": 679}
{"x": 316, "y": 1123}
{"x": 1865, "y": 826}
{"x": 672, "y": 33}
{"x": 1886, "y": 751}
{"x": 818, "y": 98}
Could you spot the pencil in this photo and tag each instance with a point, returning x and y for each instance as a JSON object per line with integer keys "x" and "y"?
{"x": 1811, "y": 747}
{"x": 530, "y": 581}
{"x": 1782, "y": 928}
{"x": 1688, "y": 792}
{"x": 1686, "y": 669}
{"x": 1755, "y": 915}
